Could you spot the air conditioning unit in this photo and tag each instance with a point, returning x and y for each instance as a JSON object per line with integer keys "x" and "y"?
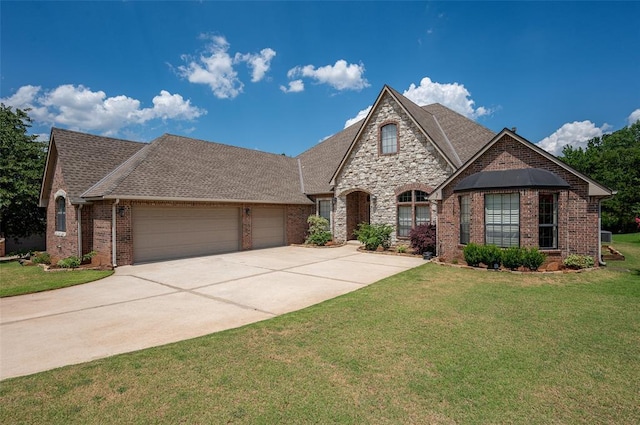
{"x": 605, "y": 237}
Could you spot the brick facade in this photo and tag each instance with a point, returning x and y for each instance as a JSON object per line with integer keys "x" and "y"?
{"x": 578, "y": 219}
{"x": 61, "y": 244}
{"x": 380, "y": 176}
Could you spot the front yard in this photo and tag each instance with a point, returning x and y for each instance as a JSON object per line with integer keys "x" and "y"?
{"x": 435, "y": 344}
{"x": 16, "y": 279}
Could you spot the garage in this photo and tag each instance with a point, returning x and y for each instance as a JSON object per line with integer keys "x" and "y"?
{"x": 267, "y": 227}
{"x": 162, "y": 233}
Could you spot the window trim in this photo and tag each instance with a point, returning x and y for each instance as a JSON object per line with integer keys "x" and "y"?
{"x": 502, "y": 225}
{"x": 330, "y": 201}
{"x": 380, "y": 129}
{"x": 464, "y": 202}
{"x": 553, "y": 225}
{"x": 413, "y": 205}
{"x": 60, "y": 222}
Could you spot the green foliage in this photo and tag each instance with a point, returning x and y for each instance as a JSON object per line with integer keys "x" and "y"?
{"x": 575, "y": 261}
{"x": 614, "y": 161}
{"x": 318, "y": 233}
{"x": 401, "y": 249}
{"x": 472, "y": 254}
{"x": 22, "y": 160}
{"x": 513, "y": 257}
{"x": 491, "y": 255}
{"x": 532, "y": 258}
{"x": 374, "y": 235}
{"x": 423, "y": 238}
{"x": 88, "y": 256}
{"x": 70, "y": 262}
{"x": 41, "y": 258}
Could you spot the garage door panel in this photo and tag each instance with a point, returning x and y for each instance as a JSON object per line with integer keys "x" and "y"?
{"x": 268, "y": 227}
{"x": 169, "y": 232}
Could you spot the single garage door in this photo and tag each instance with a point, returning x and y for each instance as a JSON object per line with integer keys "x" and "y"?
{"x": 267, "y": 227}
{"x": 161, "y": 233}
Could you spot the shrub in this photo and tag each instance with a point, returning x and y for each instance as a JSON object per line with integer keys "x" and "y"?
{"x": 374, "y": 235}
{"x": 512, "y": 257}
{"x": 575, "y": 261}
{"x": 472, "y": 254}
{"x": 41, "y": 258}
{"x": 423, "y": 238}
{"x": 532, "y": 258}
{"x": 88, "y": 256}
{"x": 491, "y": 255}
{"x": 401, "y": 249}
{"x": 71, "y": 262}
{"x": 318, "y": 233}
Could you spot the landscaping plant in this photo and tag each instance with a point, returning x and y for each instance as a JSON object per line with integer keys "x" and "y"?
{"x": 491, "y": 255}
{"x": 318, "y": 233}
{"x": 532, "y": 258}
{"x": 423, "y": 238}
{"x": 472, "y": 254}
{"x": 575, "y": 261}
{"x": 512, "y": 257}
{"x": 374, "y": 235}
{"x": 41, "y": 258}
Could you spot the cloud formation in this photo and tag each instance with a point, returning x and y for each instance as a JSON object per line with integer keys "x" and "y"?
{"x": 295, "y": 86}
{"x": 79, "y": 108}
{"x": 215, "y": 67}
{"x": 633, "y": 117}
{"x": 452, "y": 95}
{"x": 340, "y": 76}
{"x": 575, "y": 134}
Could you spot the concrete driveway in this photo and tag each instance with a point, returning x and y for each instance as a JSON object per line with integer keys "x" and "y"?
{"x": 153, "y": 304}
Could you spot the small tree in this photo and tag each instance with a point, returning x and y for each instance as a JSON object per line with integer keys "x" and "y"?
{"x": 423, "y": 238}
{"x": 318, "y": 233}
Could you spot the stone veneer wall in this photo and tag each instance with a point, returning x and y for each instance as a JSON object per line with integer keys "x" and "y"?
{"x": 417, "y": 161}
{"x": 578, "y": 223}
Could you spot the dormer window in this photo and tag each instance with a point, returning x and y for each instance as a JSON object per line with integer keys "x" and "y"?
{"x": 389, "y": 139}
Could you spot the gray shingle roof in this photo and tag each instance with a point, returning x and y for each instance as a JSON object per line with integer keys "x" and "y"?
{"x": 175, "y": 167}
{"x": 85, "y": 158}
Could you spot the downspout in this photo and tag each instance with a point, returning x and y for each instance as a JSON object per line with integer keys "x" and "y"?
{"x": 80, "y": 230}
{"x": 113, "y": 232}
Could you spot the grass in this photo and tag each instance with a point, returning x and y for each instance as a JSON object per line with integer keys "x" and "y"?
{"x": 433, "y": 345}
{"x": 16, "y": 279}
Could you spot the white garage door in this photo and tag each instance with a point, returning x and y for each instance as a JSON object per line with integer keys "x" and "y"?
{"x": 267, "y": 227}
{"x": 161, "y": 233}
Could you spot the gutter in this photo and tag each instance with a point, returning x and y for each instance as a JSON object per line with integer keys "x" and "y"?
{"x": 113, "y": 233}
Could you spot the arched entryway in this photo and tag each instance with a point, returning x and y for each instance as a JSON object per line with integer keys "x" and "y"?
{"x": 358, "y": 211}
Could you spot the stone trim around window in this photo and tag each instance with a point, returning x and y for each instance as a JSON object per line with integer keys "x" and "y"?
{"x": 60, "y": 208}
{"x": 387, "y": 124}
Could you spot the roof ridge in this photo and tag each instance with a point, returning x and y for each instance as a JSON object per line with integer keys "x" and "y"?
{"x": 58, "y": 129}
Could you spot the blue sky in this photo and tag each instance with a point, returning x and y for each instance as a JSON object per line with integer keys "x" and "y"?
{"x": 282, "y": 76}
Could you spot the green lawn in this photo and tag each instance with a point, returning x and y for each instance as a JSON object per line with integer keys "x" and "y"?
{"x": 434, "y": 345}
{"x": 16, "y": 279}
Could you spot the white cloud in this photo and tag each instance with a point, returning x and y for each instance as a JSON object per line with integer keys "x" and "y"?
{"x": 215, "y": 67}
{"x": 78, "y": 107}
{"x": 341, "y": 76}
{"x": 361, "y": 115}
{"x": 259, "y": 63}
{"x": 452, "y": 95}
{"x": 295, "y": 86}
{"x": 576, "y": 134}
{"x": 633, "y": 117}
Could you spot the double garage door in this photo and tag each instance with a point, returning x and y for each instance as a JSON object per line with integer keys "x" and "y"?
{"x": 162, "y": 233}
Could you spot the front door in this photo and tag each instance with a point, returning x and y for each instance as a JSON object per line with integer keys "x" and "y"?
{"x": 358, "y": 211}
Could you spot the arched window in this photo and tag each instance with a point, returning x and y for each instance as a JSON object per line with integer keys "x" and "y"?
{"x": 61, "y": 214}
{"x": 413, "y": 210}
{"x": 389, "y": 139}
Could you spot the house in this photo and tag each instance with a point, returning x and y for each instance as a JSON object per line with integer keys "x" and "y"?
{"x": 403, "y": 165}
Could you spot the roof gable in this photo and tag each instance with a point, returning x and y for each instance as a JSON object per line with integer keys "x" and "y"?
{"x": 84, "y": 160}
{"x": 595, "y": 188}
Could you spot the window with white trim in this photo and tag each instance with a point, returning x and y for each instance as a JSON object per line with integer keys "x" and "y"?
{"x": 413, "y": 210}
{"x": 61, "y": 214}
{"x": 389, "y": 139}
{"x": 502, "y": 219}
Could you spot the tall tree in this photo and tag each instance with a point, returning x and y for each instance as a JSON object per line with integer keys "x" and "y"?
{"x": 22, "y": 159}
{"x": 614, "y": 161}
